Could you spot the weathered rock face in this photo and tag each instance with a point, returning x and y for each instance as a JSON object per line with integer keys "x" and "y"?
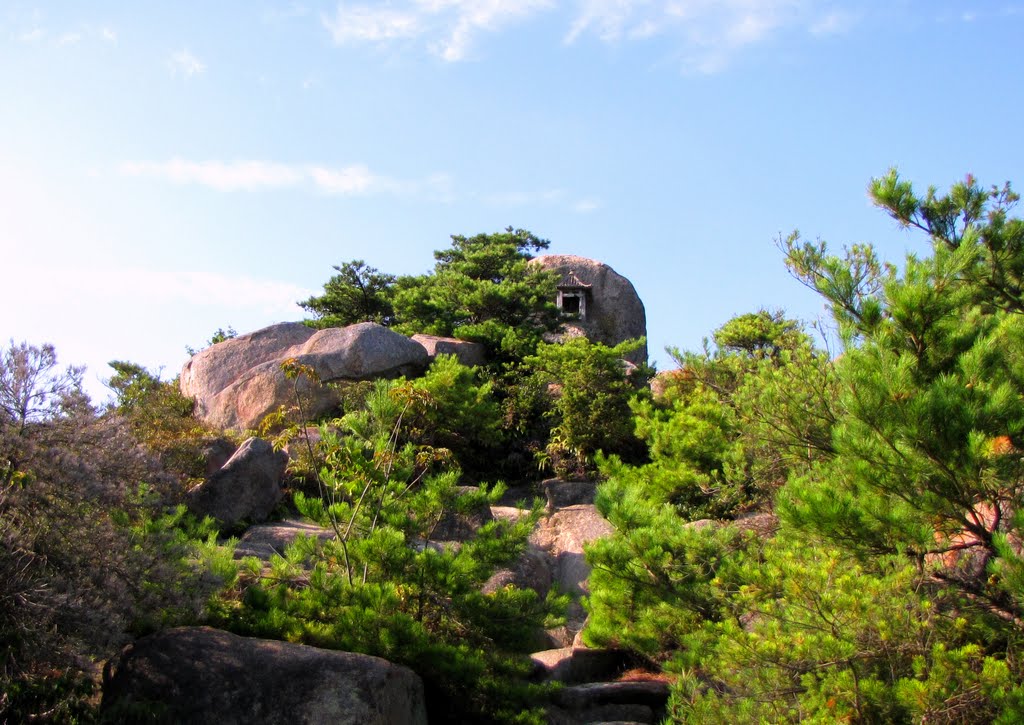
{"x": 532, "y": 570}
{"x": 236, "y": 383}
{"x": 634, "y": 702}
{"x": 203, "y": 675}
{"x": 467, "y": 353}
{"x": 361, "y": 352}
{"x": 561, "y": 536}
{"x": 218, "y": 366}
{"x": 247, "y": 487}
{"x": 561, "y": 493}
{"x": 265, "y": 540}
{"x": 614, "y": 312}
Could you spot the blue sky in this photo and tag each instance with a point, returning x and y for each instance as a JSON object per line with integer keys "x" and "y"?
{"x": 167, "y": 169}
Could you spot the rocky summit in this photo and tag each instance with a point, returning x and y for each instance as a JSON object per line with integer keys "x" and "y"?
{"x": 597, "y": 302}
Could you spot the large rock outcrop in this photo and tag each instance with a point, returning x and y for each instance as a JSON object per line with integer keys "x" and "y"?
{"x": 613, "y": 310}
{"x": 236, "y": 383}
{"x": 203, "y": 675}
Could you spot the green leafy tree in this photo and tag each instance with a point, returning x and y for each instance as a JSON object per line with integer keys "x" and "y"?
{"x": 455, "y": 410}
{"x": 591, "y": 388}
{"x": 483, "y": 289}
{"x": 807, "y": 633}
{"x": 357, "y": 293}
{"x": 727, "y": 431}
{"x": 930, "y": 388}
{"x": 758, "y": 334}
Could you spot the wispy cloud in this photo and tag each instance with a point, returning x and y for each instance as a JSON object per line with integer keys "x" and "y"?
{"x": 586, "y": 206}
{"x": 185, "y": 63}
{"x": 449, "y": 28}
{"x": 219, "y": 175}
{"x": 160, "y": 288}
{"x": 278, "y": 15}
{"x": 39, "y": 33}
{"x": 833, "y": 22}
{"x": 69, "y": 38}
{"x": 255, "y": 175}
{"x": 547, "y": 197}
{"x": 32, "y": 36}
{"x": 345, "y": 181}
{"x": 707, "y": 34}
{"x": 370, "y": 24}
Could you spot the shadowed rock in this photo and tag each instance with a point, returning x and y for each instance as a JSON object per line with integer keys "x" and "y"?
{"x": 246, "y": 488}
{"x": 205, "y": 676}
{"x": 265, "y": 540}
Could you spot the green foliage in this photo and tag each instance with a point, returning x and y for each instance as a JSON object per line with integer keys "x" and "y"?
{"x": 160, "y": 417}
{"x": 758, "y": 334}
{"x": 89, "y": 555}
{"x": 483, "y": 289}
{"x": 358, "y": 293}
{"x": 591, "y": 389}
{"x": 931, "y": 386}
{"x": 971, "y": 223}
{"x": 816, "y": 637}
{"x": 383, "y": 585}
{"x": 893, "y": 591}
{"x": 451, "y": 408}
{"x": 220, "y": 335}
{"x": 655, "y": 581}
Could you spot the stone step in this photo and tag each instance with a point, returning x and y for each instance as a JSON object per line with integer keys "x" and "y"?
{"x": 642, "y": 701}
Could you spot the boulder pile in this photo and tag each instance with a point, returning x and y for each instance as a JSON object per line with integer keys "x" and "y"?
{"x": 238, "y": 382}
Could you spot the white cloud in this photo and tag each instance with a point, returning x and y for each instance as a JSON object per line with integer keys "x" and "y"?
{"x": 707, "y": 34}
{"x": 278, "y": 15}
{"x": 348, "y": 180}
{"x": 185, "y": 63}
{"x": 255, "y": 175}
{"x": 466, "y": 18}
{"x": 833, "y": 23}
{"x": 586, "y": 206}
{"x": 220, "y": 175}
{"x": 160, "y": 288}
{"x": 69, "y": 38}
{"x": 610, "y": 20}
{"x": 449, "y": 27}
{"x": 32, "y": 36}
{"x": 362, "y": 23}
